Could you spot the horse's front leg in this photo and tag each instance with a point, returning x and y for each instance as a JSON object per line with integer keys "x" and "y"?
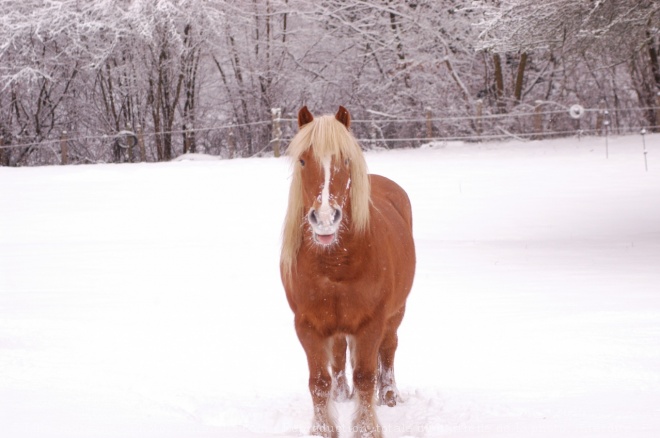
{"x": 320, "y": 381}
{"x": 365, "y": 352}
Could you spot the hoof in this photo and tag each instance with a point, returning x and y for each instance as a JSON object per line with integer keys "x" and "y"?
{"x": 389, "y": 397}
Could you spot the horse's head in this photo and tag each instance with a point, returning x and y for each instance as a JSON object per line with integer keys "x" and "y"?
{"x": 330, "y": 190}
{"x": 325, "y": 175}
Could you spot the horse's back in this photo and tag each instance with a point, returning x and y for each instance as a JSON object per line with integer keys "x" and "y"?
{"x": 392, "y": 227}
{"x": 386, "y": 193}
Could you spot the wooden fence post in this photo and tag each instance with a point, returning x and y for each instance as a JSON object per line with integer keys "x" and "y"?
{"x": 64, "y": 148}
{"x": 186, "y": 141}
{"x": 277, "y": 130}
{"x": 130, "y": 142}
{"x": 606, "y": 124}
{"x": 538, "y": 120}
{"x": 599, "y": 117}
{"x": 656, "y": 128}
{"x": 429, "y": 124}
{"x": 140, "y": 137}
{"x": 232, "y": 142}
{"x": 479, "y": 121}
{"x": 4, "y": 152}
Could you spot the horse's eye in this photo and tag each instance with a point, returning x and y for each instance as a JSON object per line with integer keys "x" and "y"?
{"x": 302, "y": 162}
{"x": 347, "y": 162}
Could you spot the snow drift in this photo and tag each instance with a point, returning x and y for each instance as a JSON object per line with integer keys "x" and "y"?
{"x": 144, "y": 300}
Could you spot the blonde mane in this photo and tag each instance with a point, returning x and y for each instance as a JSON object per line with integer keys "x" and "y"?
{"x": 327, "y": 137}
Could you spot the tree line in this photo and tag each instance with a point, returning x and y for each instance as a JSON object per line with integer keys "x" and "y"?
{"x": 173, "y": 70}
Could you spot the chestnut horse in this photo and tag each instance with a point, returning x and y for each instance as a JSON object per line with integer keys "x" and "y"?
{"x": 347, "y": 265}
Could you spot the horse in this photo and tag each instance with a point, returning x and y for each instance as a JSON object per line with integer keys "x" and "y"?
{"x": 347, "y": 266}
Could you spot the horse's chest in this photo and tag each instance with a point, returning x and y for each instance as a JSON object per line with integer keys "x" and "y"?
{"x": 334, "y": 307}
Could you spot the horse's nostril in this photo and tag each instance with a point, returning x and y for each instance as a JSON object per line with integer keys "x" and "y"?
{"x": 336, "y": 217}
{"x": 312, "y": 217}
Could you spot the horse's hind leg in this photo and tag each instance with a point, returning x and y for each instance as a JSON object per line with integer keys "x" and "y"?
{"x": 340, "y": 391}
{"x": 388, "y": 393}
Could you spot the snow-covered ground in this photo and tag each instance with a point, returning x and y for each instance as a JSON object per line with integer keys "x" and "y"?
{"x": 144, "y": 300}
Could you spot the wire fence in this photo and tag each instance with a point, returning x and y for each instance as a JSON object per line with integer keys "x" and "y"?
{"x": 379, "y": 131}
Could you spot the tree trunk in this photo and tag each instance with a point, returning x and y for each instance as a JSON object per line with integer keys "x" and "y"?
{"x": 191, "y": 65}
{"x": 520, "y": 76}
{"x": 399, "y": 49}
{"x": 499, "y": 82}
{"x": 243, "y": 118}
{"x": 154, "y": 98}
{"x": 654, "y": 112}
{"x": 653, "y": 55}
{"x": 4, "y": 152}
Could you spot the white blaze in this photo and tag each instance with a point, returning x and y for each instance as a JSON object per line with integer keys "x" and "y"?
{"x": 325, "y": 212}
{"x": 325, "y": 219}
{"x": 325, "y": 193}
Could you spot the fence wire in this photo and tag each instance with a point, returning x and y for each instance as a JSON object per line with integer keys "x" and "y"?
{"x": 382, "y": 130}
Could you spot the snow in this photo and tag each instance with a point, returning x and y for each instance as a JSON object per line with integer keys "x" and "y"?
{"x": 144, "y": 300}
{"x": 196, "y": 157}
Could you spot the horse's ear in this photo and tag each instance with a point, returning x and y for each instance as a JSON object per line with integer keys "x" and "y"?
{"x": 344, "y": 117}
{"x": 304, "y": 117}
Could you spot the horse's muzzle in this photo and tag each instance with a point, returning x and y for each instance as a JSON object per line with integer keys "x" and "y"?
{"x": 325, "y": 223}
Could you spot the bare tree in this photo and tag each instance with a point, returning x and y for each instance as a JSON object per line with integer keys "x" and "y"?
{"x": 596, "y": 37}
{"x": 184, "y": 71}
